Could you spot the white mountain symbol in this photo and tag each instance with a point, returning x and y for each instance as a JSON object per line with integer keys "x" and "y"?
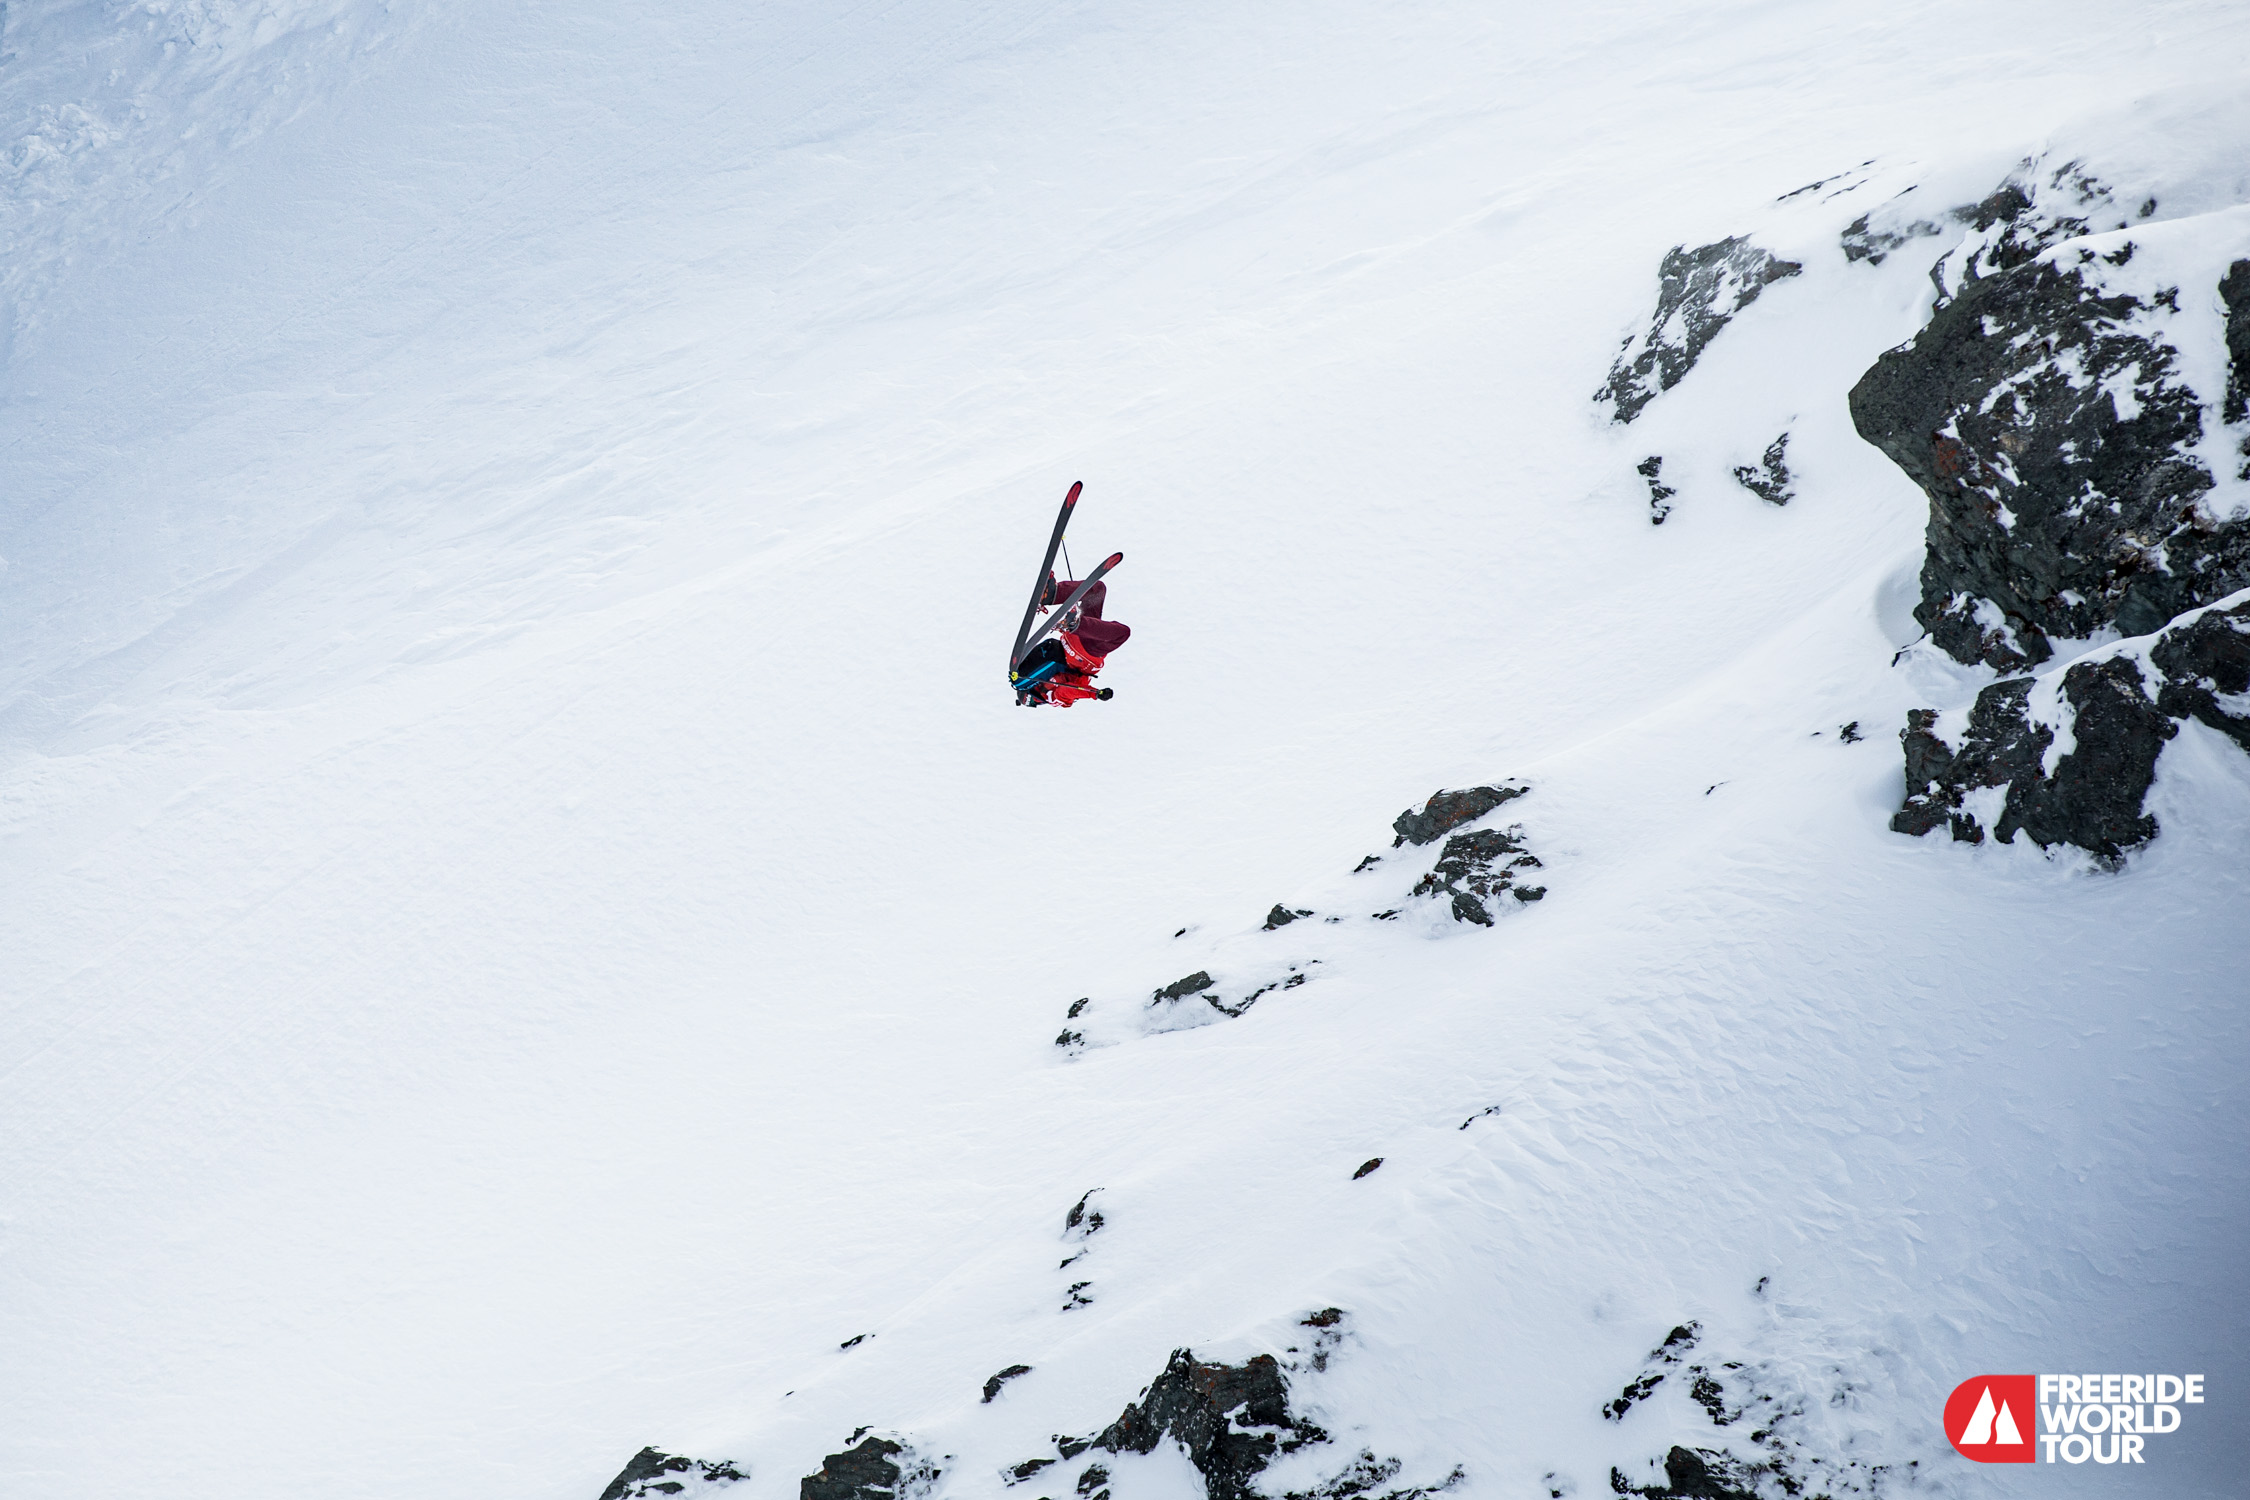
{"x": 1982, "y": 1422}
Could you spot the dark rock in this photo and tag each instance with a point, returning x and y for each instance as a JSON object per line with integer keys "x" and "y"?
{"x": 2052, "y": 512}
{"x": 1676, "y": 1347}
{"x": 1698, "y": 293}
{"x": 1181, "y": 988}
{"x": 1093, "y": 1479}
{"x": 1779, "y": 1461}
{"x": 1366, "y": 1167}
{"x": 1366, "y": 1473}
{"x": 2002, "y": 746}
{"x": 1083, "y": 1220}
{"x": 1231, "y": 1420}
{"x": 862, "y": 1473}
{"x": 2093, "y": 797}
{"x": 1850, "y": 734}
{"x": 1368, "y": 863}
{"x": 2203, "y": 661}
{"x": 1076, "y": 1296}
{"x": 1018, "y": 1473}
{"x": 649, "y": 1472}
{"x": 1473, "y": 868}
{"x": 1446, "y": 811}
{"x": 1711, "y": 1396}
{"x": 992, "y": 1386}
{"x": 2234, "y": 291}
{"x": 855, "y": 1340}
{"x": 1770, "y": 480}
{"x": 1875, "y": 245}
{"x": 1700, "y": 1474}
{"x": 1282, "y": 916}
{"x": 1076, "y": 1006}
{"x": 1659, "y": 493}
{"x": 2093, "y": 800}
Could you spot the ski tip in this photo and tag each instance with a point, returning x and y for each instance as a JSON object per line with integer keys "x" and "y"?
{"x": 1075, "y": 486}
{"x": 1114, "y": 559}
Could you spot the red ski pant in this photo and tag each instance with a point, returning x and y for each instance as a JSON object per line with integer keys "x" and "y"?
{"x": 1100, "y": 636}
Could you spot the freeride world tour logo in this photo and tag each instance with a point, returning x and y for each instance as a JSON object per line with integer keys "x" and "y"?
{"x": 2021, "y": 1419}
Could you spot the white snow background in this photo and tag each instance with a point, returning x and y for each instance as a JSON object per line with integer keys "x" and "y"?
{"x": 530, "y": 915}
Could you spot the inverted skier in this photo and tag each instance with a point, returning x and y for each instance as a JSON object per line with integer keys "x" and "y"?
{"x": 1061, "y": 669}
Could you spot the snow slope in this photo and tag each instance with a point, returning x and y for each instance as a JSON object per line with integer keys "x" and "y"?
{"x": 530, "y": 918}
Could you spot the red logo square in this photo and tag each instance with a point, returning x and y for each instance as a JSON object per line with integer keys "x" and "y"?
{"x": 1993, "y": 1418}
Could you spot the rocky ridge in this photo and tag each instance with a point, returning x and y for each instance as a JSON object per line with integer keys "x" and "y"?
{"x": 1475, "y": 876}
{"x": 2077, "y": 411}
{"x": 2048, "y": 414}
{"x": 1231, "y": 1421}
{"x": 1761, "y": 1425}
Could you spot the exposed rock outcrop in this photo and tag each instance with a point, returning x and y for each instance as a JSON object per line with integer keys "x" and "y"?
{"x": 1696, "y": 1474}
{"x": 1698, "y": 293}
{"x": 651, "y": 1473}
{"x": 2001, "y": 770}
{"x": 878, "y": 1468}
{"x": 2059, "y": 412}
{"x": 1765, "y": 1444}
{"x": 2046, "y": 414}
{"x": 1230, "y": 1420}
{"x": 1477, "y": 872}
{"x": 2206, "y": 667}
{"x": 1446, "y": 811}
{"x": 1660, "y": 494}
{"x": 1874, "y": 243}
{"x": 1769, "y": 479}
{"x": 1478, "y": 867}
{"x": 993, "y": 1387}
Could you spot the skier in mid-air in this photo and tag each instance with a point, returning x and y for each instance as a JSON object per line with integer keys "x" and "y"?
{"x": 1077, "y": 650}
{"x": 1056, "y": 663}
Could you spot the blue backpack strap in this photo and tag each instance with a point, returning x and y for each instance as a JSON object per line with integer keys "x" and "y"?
{"x": 1032, "y": 679}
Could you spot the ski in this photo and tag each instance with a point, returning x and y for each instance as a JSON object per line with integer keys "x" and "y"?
{"x": 1062, "y": 611}
{"x": 1039, "y": 587}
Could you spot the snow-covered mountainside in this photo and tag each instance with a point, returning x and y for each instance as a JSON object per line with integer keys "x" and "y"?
{"x": 542, "y": 960}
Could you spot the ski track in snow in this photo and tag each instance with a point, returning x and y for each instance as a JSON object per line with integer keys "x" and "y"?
{"x": 530, "y": 916}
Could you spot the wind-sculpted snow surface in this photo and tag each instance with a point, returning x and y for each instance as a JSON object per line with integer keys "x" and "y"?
{"x": 102, "y": 120}
{"x": 532, "y": 942}
{"x": 1477, "y": 875}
